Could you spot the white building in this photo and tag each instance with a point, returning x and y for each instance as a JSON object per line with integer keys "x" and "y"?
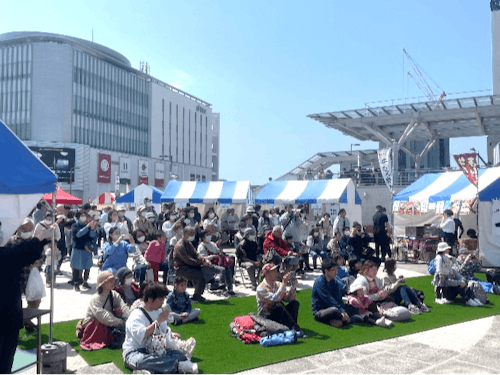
{"x": 92, "y": 117}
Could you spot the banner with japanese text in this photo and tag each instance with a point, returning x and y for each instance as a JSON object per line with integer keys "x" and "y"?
{"x": 385, "y": 162}
{"x": 468, "y": 165}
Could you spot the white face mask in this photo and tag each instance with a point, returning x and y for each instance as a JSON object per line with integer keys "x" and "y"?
{"x": 316, "y": 234}
{"x": 211, "y": 215}
{"x": 191, "y": 238}
{"x": 141, "y": 238}
{"x": 48, "y": 222}
{"x": 128, "y": 281}
{"x": 191, "y": 215}
{"x": 82, "y": 219}
{"x": 251, "y": 238}
{"x": 26, "y": 235}
{"x": 121, "y": 214}
{"x": 347, "y": 233}
{"x": 207, "y": 238}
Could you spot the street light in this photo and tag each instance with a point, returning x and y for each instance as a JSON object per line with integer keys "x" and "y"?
{"x": 353, "y": 144}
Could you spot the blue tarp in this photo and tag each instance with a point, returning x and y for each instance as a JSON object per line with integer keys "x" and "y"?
{"x": 22, "y": 172}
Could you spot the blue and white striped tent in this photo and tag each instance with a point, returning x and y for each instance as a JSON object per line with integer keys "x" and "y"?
{"x": 439, "y": 191}
{"x": 312, "y": 192}
{"x": 223, "y": 192}
{"x": 138, "y": 195}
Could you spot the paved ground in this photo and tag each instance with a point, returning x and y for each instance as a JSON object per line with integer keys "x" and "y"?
{"x": 470, "y": 347}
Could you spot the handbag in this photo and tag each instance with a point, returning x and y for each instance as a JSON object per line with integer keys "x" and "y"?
{"x": 35, "y": 290}
{"x": 156, "y": 343}
{"x": 118, "y": 333}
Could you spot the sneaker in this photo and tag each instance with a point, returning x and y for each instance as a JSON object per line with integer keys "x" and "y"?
{"x": 188, "y": 367}
{"x": 77, "y": 288}
{"x": 388, "y": 322}
{"x": 336, "y": 323}
{"x": 231, "y": 293}
{"x": 423, "y": 307}
{"x": 86, "y": 285}
{"x": 414, "y": 309}
{"x": 188, "y": 349}
{"x": 439, "y": 301}
{"x": 447, "y": 301}
{"x": 479, "y": 303}
{"x": 217, "y": 286}
{"x": 71, "y": 282}
{"x": 141, "y": 372}
{"x": 381, "y": 322}
{"x": 496, "y": 290}
{"x": 198, "y": 298}
{"x": 471, "y": 303}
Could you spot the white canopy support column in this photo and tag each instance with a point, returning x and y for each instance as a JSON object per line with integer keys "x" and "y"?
{"x": 409, "y": 129}
{"x": 395, "y": 164}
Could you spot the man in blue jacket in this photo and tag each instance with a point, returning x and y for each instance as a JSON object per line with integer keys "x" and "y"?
{"x": 326, "y": 300}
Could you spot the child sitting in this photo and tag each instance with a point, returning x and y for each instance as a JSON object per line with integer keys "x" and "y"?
{"x": 365, "y": 306}
{"x": 155, "y": 253}
{"x": 180, "y": 304}
{"x": 354, "y": 266}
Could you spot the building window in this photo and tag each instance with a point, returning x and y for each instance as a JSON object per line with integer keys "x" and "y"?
{"x": 192, "y": 177}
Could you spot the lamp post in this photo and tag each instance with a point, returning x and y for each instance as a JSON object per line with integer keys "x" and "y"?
{"x": 353, "y": 144}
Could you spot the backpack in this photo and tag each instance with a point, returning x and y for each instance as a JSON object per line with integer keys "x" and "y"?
{"x": 242, "y": 328}
{"x": 478, "y": 291}
{"x": 431, "y": 268}
{"x": 493, "y": 275}
{"x": 287, "y": 337}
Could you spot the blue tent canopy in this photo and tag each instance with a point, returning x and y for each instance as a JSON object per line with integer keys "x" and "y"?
{"x": 139, "y": 193}
{"x": 22, "y": 172}
{"x": 311, "y": 192}
{"x": 224, "y": 192}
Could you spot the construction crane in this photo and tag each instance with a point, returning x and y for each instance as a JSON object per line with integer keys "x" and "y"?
{"x": 420, "y": 81}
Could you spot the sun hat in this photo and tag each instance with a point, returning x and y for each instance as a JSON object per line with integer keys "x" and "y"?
{"x": 121, "y": 208}
{"x": 355, "y": 286}
{"x": 442, "y": 246}
{"x": 268, "y": 268}
{"x": 250, "y": 209}
{"x": 248, "y": 231}
{"x": 103, "y": 277}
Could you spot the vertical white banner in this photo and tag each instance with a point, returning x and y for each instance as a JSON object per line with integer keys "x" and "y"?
{"x": 385, "y": 162}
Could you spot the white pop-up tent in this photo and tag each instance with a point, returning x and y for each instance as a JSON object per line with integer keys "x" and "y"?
{"x": 340, "y": 191}
{"x": 23, "y": 181}
{"x": 423, "y": 201}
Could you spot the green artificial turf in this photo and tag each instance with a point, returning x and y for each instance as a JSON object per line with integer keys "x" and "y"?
{"x": 217, "y": 352}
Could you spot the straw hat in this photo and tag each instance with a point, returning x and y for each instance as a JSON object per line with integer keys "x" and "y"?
{"x": 104, "y": 277}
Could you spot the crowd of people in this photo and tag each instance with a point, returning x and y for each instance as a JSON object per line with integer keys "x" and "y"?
{"x": 131, "y": 307}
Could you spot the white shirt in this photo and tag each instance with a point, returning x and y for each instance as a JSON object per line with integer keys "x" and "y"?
{"x": 448, "y": 226}
{"x": 135, "y": 329}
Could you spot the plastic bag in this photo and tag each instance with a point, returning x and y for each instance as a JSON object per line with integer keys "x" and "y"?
{"x": 35, "y": 290}
{"x": 149, "y": 275}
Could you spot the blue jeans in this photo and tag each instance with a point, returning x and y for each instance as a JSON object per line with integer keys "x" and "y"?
{"x": 164, "y": 268}
{"x": 317, "y": 253}
{"x": 140, "y": 360}
{"x": 406, "y": 294}
{"x": 140, "y": 272}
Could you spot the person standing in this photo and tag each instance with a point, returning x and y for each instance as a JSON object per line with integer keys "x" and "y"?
{"x": 14, "y": 256}
{"x": 447, "y": 226}
{"x": 380, "y": 226}
{"x": 341, "y": 222}
{"x": 81, "y": 256}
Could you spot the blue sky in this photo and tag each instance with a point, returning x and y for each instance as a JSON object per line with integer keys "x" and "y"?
{"x": 266, "y": 65}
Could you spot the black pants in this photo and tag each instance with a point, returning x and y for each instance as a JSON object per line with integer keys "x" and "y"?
{"x": 77, "y": 276}
{"x": 332, "y": 313}
{"x": 8, "y": 345}
{"x": 195, "y": 275}
{"x": 384, "y": 247}
{"x": 451, "y": 292}
{"x": 286, "y": 315}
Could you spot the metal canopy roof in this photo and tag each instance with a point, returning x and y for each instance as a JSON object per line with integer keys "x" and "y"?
{"x": 326, "y": 159}
{"x": 452, "y": 118}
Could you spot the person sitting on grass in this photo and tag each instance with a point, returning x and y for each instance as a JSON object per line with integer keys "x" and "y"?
{"x": 447, "y": 282}
{"x": 399, "y": 292}
{"x": 366, "y": 308}
{"x": 367, "y": 276}
{"x": 354, "y": 266}
{"x": 106, "y": 309}
{"x": 326, "y": 299}
{"x": 127, "y": 288}
{"x": 180, "y": 304}
{"x": 141, "y": 325}
{"x": 271, "y": 295}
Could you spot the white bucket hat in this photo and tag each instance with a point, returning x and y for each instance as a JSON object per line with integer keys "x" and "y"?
{"x": 442, "y": 246}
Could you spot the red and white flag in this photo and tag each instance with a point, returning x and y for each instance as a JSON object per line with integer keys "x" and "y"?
{"x": 468, "y": 165}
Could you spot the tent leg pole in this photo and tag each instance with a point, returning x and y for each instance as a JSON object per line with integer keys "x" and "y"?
{"x": 52, "y": 271}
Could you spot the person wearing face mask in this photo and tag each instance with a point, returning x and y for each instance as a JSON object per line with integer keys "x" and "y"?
{"x": 115, "y": 251}
{"x": 344, "y": 242}
{"x": 126, "y": 288}
{"x": 142, "y": 223}
{"x": 121, "y": 214}
{"x": 83, "y": 232}
{"x": 22, "y": 250}
{"x": 213, "y": 253}
{"x": 189, "y": 219}
{"x": 341, "y": 221}
{"x": 114, "y": 221}
{"x": 168, "y": 225}
{"x": 191, "y": 265}
{"x": 249, "y": 256}
{"x": 210, "y": 217}
{"x": 315, "y": 245}
{"x": 140, "y": 263}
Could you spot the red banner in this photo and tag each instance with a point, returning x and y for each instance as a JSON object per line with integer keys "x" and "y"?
{"x": 468, "y": 165}
{"x": 143, "y": 180}
{"x": 104, "y": 169}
